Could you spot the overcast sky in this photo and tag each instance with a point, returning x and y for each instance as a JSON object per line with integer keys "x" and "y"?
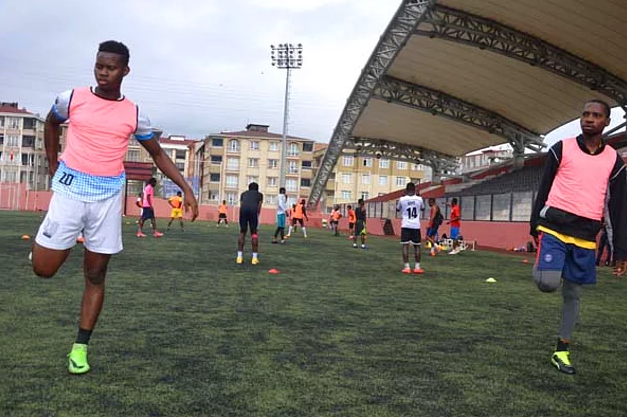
{"x": 199, "y": 66}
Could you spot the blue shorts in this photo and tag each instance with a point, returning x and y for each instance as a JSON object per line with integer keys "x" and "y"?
{"x": 281, "y": 220}
{"x": 148, "y": 213}
{"x": 454, "y": 232}
{"x": 432, "y": 231}
{"x": 577, "y": 264}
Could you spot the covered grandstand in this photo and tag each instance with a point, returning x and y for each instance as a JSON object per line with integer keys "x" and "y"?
{"x": 449, "y": 77}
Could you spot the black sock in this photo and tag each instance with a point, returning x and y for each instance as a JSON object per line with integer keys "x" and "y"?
{"x": 83, "y": 336}
{"x": 562, "y": 345}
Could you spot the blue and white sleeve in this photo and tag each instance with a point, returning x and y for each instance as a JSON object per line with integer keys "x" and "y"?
{"x": 144, "y": 128}
{"x": 61, "y": 106}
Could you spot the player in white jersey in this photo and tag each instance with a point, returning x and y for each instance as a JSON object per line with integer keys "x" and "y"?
{"x": 410, "y": 206}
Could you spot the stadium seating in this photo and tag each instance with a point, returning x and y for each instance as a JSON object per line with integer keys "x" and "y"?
{"x": 524, "y": 179}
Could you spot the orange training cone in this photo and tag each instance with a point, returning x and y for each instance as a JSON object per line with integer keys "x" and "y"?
{"x": 25, "y": 237}
{"x": 274, "y": 271}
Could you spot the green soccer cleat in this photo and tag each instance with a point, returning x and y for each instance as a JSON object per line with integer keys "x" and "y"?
{"x": 561, "y": 361}
{"x": 77, "y": 359}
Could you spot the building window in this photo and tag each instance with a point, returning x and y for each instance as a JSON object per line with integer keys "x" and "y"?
{"x": 365, "y": 195}
{"x": 401, "y": 165}
{"x": 401, "y": 181}
{"x": 234, "y": 145}
{"x": 216, "y": 159}
{"x": 232, "y": 181}
{"x": 274, "y": 146}
{"x": 365, "y": 179}
{"x": 306, "y": 164}
{"x": 30, "y": 123}
{"x": 232, "y": 163}
{"x": 291, "y": 185}
{"x": 231, "y": 198}
{"x": 253, "y": 162}
{"x": 213, "y": 195}
{"x": 308, "y": 147}
{"x": 273, "y": 163}
{"x": 293, "y": 150}
{"x": 383, "y": 180}
{"x": 253, "y": 145}
{"x": 28, "y": 141}
{"x": 305, "y": 182}
{"x": 348, "y": 161}
{"x": 180, "y": 154}
{"x": 13, "y": 123}
{"x": 416, "y": 167}
{"x": 252, "y": 178}
{"x": 346, "y": 195}
{"x": 13, "y": 140}
{"x": 292, "y": 167}
{"x": 347, "y": 178}
{"x": 217, "y": 142}
{"x": 1, "y": 121}
{"x": 384, "y": 163}
{"x": 272, "y": 181}
{"x": 367, "y": 162}
{"x": 271, "y": 198}
{"x": 133, "y": 155}
{"x": 180, "y": 166}
{"x": 214, "y": 177}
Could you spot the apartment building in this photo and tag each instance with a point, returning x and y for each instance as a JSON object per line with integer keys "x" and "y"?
{"x": 227, "y": 162}
{"x": 483, "y": 159}
{"x": 356, "y": 177}
{"x": 22, "y": 154}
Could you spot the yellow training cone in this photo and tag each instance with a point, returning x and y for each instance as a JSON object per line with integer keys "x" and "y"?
{"x": 490, "y": 280}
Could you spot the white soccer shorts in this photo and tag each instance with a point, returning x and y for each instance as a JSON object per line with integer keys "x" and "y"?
{"x": 99, "y": 221}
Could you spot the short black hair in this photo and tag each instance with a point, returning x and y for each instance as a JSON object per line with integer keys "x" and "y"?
{"x": 282, "y": 190}
{"x": 253, "y": 186}
{"x": 115, "y": 47}
{"x": 410, "y": 186}
{"x": 152, "y": 181}
{"x": 360, "y": 201}
{"x": 179, "y": 193}
{"x": 606, "y": 106}
{"x": 454, "y": 201}
{"x": 349, "y": 207}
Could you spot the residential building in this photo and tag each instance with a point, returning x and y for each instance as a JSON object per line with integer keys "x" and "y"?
{"x": 483, "y": 159}
{"x": 229, "y": 161}
{"x": 356, "y": 177}
{"x": 22, "y": 154}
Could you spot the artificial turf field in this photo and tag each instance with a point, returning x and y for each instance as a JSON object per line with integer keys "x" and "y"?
{"x": 187, "y": 332}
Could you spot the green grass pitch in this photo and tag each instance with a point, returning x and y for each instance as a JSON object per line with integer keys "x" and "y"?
{"x": 339, "y": 332}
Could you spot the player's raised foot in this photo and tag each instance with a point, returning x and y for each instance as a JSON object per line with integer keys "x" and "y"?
{"x": 561, "y": 361}
{"x": 140, "y": 234}
{"x": 406, "y": 271}
{"x": 77, "y": 359}
{"x": 239, "y": 260}
{"x": 157, "y": 234}
{"x": 255, "y": 261}
{"x": 419, "y": 271}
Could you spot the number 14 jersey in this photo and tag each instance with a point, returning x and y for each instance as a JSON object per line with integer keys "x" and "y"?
{"x": 410, "y": 207}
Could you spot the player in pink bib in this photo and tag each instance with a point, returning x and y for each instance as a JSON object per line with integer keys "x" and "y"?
{"x": 87, "y": 182}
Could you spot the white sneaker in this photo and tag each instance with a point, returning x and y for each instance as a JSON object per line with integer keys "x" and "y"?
{"x": 453, "y": 252}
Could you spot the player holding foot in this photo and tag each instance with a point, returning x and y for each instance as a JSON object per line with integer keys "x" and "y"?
{"x": 579, "y": 175}
{"x": 410, "y": 206}
{"x": 87, "y": 182}
{"x": 148, "y": 210}
{"x": 176, "y": 202}
{"x": 250, "y": 208}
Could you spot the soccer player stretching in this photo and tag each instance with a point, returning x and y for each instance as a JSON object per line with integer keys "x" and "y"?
{"x": 88, "y": 180}
{"x": 567, "y": 216}
{"x": 250, "y": 208}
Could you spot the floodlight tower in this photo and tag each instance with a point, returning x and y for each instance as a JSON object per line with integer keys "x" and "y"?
{"x": 286, "y": 56}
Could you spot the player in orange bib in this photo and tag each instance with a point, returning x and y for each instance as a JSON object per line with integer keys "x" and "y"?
{"x": 222, "y": 214}
{"x": 352, "y": 218}
{"x": 334, "y": 220}
{"x": 177, "y": 209}
{"x": 299, "y": 213}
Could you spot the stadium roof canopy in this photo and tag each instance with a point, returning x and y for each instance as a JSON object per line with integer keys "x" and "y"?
{"x": 452, "y": 76}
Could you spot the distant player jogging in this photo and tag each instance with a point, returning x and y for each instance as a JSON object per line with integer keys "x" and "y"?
{"x": 410, "y": 206}
{"x": 87, "y": 183}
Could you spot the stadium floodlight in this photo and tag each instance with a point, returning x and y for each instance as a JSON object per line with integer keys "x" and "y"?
{"x": 286, "y": 56}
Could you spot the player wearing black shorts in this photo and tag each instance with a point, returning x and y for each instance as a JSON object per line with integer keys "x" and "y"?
{"x": 250, "y": 207}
